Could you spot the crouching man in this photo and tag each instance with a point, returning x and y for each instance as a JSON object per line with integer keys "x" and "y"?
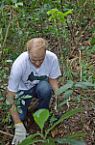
{"x": 33, "y": 73}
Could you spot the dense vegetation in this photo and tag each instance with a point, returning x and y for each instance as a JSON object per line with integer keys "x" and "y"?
{"x": 69, "y": 27}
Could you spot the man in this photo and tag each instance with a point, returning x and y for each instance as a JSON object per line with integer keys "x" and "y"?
{"x": 34, "y": 73}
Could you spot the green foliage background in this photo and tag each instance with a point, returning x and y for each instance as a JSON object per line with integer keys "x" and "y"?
{"x": 69, "y": 27}
{"x": 65, "y": 24}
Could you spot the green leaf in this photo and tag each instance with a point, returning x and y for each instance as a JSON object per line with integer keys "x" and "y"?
{"x": 93, "y": 41}
{"x": 14, "y": 1}
{"x": 26, "y": 97}
{"x": 63, "y": 117}
{"x": 64, "y": 88}
{"x": 68, "y": 114}
{"x": 76, "y": 135}
{"x": 84, "y": 85}
{"x": 19, "y": 4}
{"x": 31, "y": 139}
{"x": 1, "y": 98}
{"x": 67, "y": 13}
{"x": 57, "y": 15}
{"x": 70, "y": 141}
{"x": 52, "y": 11}
{"x": 19, "y": 109}
{"x": 67, "y": 94}
{"x": 41, "y": 117}
{"x": 49, "y": 141}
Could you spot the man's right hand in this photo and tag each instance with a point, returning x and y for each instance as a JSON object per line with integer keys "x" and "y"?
{"x": 20, "y": 134}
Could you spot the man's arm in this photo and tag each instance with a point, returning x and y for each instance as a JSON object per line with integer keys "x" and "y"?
{"x": 54, "y": 84}
{"x": 13, "y": 110}
{"x": 20, "y": 131}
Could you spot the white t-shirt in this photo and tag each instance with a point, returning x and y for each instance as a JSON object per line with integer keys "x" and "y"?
{"x": 24, "y": 75}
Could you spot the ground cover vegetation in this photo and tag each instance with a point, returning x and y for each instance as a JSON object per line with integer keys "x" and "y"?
{"x": 69, "y": 27}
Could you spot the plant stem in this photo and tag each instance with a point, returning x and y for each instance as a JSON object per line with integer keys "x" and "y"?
{"x": 80, "y": 65}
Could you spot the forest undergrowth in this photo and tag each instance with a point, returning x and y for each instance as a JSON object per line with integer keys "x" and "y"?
{"x": 69, "y": 27}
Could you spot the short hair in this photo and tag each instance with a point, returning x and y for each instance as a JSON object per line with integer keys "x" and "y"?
{"x": 41, "y": 41}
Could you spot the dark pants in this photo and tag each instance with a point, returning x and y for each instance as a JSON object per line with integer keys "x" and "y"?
{"x": 42, "y": 91}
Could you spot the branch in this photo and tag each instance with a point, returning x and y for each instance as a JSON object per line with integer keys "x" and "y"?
{"x": 6, "y": 133}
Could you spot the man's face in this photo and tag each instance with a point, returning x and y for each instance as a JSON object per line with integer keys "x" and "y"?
{"x": 37, "y": 57}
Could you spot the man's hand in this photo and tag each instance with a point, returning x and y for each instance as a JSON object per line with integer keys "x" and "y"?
{"x": 53, "y": 104}
{"x": 20, "y": 134}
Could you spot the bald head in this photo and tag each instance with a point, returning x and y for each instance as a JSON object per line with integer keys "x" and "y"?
{"x": 37, "y": 44}
{"x": 37, "y": 48}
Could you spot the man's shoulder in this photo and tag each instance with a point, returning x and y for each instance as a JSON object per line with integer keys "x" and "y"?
{"x": 50, "y": 54}
{"x": 21, "y": 59}
{"x": 22, "y": 56}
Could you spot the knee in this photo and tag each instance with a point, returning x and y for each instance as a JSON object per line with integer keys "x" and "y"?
{"x": 44, "y": 89}
{"x": 22, "y": 116}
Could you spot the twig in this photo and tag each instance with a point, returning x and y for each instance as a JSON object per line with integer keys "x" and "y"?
{"x": 6, "y": 35}
{"x": 7, "y": 143}
{"x": 6, "y": 133}
{"x": 80, "y": 59}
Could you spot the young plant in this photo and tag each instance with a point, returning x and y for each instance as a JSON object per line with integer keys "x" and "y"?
{"x": 40, "y": 117}
{"x": 70, "y": 87}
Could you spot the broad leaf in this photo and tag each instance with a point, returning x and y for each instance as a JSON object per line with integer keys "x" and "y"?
{"x": 76, "y": 135}
{"x": 26, "y": 97}
{"x": 84, "y": 85}
{"x": 67, "y": 94}
{"x": 49, "y": 141}
{"x": 64, "y": 88}
{"x": 31, "y": 139}
{"x": 1, "y": 98}
{"x": 63, "y": 117}
{"x": 70, "y": 141}
{"x": 41, "y": 117}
